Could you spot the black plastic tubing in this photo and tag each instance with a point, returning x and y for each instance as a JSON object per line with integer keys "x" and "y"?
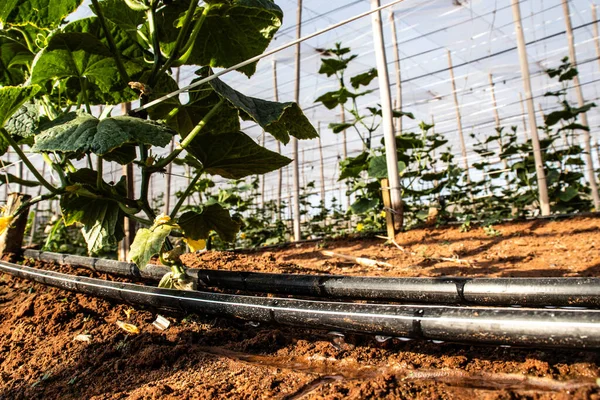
{"x": 504, "y": 326}
{"x": 532, "y": 292}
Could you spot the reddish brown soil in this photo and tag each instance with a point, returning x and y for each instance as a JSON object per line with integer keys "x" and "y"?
{"x": 202, "y": 357}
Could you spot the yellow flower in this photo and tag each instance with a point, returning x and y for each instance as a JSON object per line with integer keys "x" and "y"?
{"x": 195, "y": 245}
{"x": 383, "y": 214}
{"x": 359, "y": 227}
{"x": 5, "y": 223}
{"x": 243, "y": 235}
{"x": 162, "y": 219}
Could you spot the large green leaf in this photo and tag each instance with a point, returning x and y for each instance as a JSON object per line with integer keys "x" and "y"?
{"x": 14, "y": 58}
{"x": 40, "y": 13}
{"x": 80, "y": 133}
{"x": 378, "y": 167}
{"x": 234, "y": 155}
{"x": 124, "y": 17}
{"x": 212, "y": 218}
{"x": 78, "y": 57}
{"x": 279, "y": 119}
{"x": 148, "y": 243}
{"x": 130, "y": 51}
{"x": 23, "y": 123}
{"x": 101, "y": 219}
{"x": 364, "y": 205}
{"x": 351, "y": 167}
{"x": 235, "y": 31}
{"x": 12, "y": 98}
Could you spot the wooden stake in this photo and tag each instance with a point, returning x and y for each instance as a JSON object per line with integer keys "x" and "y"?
{"x": 322, "y": 167}
{"x": 595, "y": 30}
{"x": 391, "y": 155}
{"x": 463, "y": 146}
{"x": 398, "y": 75}
{"x": 11, "y": 240}
{"x": 129, "y": 225}
{"x": 280, "y": 171}
{"x": 589, "y": 161}
{"x": 295, "y": 164}
{"x": 170, "y": 166}
{"x": 523, "y": 115}
{"x": 537, "y": 154}
{"x": 497, "y": 119}
{"x": 393, "y": 222}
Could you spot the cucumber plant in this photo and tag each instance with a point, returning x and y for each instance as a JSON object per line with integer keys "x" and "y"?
{"x": 54, "y": 73}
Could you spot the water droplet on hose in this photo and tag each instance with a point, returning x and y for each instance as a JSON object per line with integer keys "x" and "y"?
{"x": 382, "y": 339}
{"x": 253, "y": 324}
{"x": 404, "y": 339}
{"x": 437, "y": 341}
{"x": 336, "y": 333}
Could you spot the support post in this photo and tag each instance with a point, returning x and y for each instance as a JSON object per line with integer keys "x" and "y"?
{"x": 587, "y": 145}
{"x": 129, "y": 226}
{"x": 387, "y": 120}
{"x": 321, "y": 167}
{"x": 398, "y": 75}
{"x": 295, "y": 163}
{"x": 523, "y": 116}
{"x": 11, "y": 240}
{"x": 537, "y": 154}
{"x": 463, "y": 146}
{"x": 497, "y": 119}
{"x": 280, "y": 171}
{"x": 595, "y": 30}
{"x": 170, "y": 166}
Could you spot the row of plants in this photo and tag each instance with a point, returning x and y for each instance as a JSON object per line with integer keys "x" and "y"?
{"x": 502, "y": 183}
{"x": 56, "y": 75}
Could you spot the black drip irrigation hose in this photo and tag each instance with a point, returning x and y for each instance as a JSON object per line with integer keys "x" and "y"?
{"x": 503, "y": 326}
{"x": 531, "y": 292}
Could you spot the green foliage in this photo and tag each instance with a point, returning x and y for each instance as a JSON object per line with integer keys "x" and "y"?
{"x": 78, "y": 133}
{"x": 148, "y": 243}
{"x": 213, "y": 217}
{"x": 55, "y": 70}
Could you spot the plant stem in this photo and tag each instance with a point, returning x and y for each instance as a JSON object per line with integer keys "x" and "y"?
{"x": 34, "y": 200}
{"x": 180, "y": 37}
{"x": 99, "y": 172}
{"x": 86, "y": 98}
{"x": 150, "y": 14}
{"x": 188, "y": 139}
{"x": 185, "y": 194}
{"x": 26, "y": 161}
{"x": 56, "y": 167}
{"x": 111, "y": 42}
{"x": 188, "y": 48}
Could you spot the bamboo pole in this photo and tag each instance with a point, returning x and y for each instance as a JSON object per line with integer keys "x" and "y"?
{"x": 537, "y": 154}
{"x": 322, "y": 167}
{"x": 11, "y": 240}
{"x": 280, "y": 171}
{"x": 20, "y": 174}
{"x": 397, "y": 69}
{"x": 387, "y": 118}
{"x": 129, "y": 226}
{"x": 170, "y": 166}
{"x": 463, "y": 146}
{"x": 295, "y": 166}
{"x": 595, "y": 30}
{"x": 523, "y": 115}
{"x": 497, "y": 119}
{"x": 262, "y": 177}
{"x": 5, "y": 170}
{"x": 589, "y": 161}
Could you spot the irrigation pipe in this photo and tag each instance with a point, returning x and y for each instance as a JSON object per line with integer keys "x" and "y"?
{"x": 534, "y": 292}
{"x": 263, "y": 55}
{"x": 508, "y": 326}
